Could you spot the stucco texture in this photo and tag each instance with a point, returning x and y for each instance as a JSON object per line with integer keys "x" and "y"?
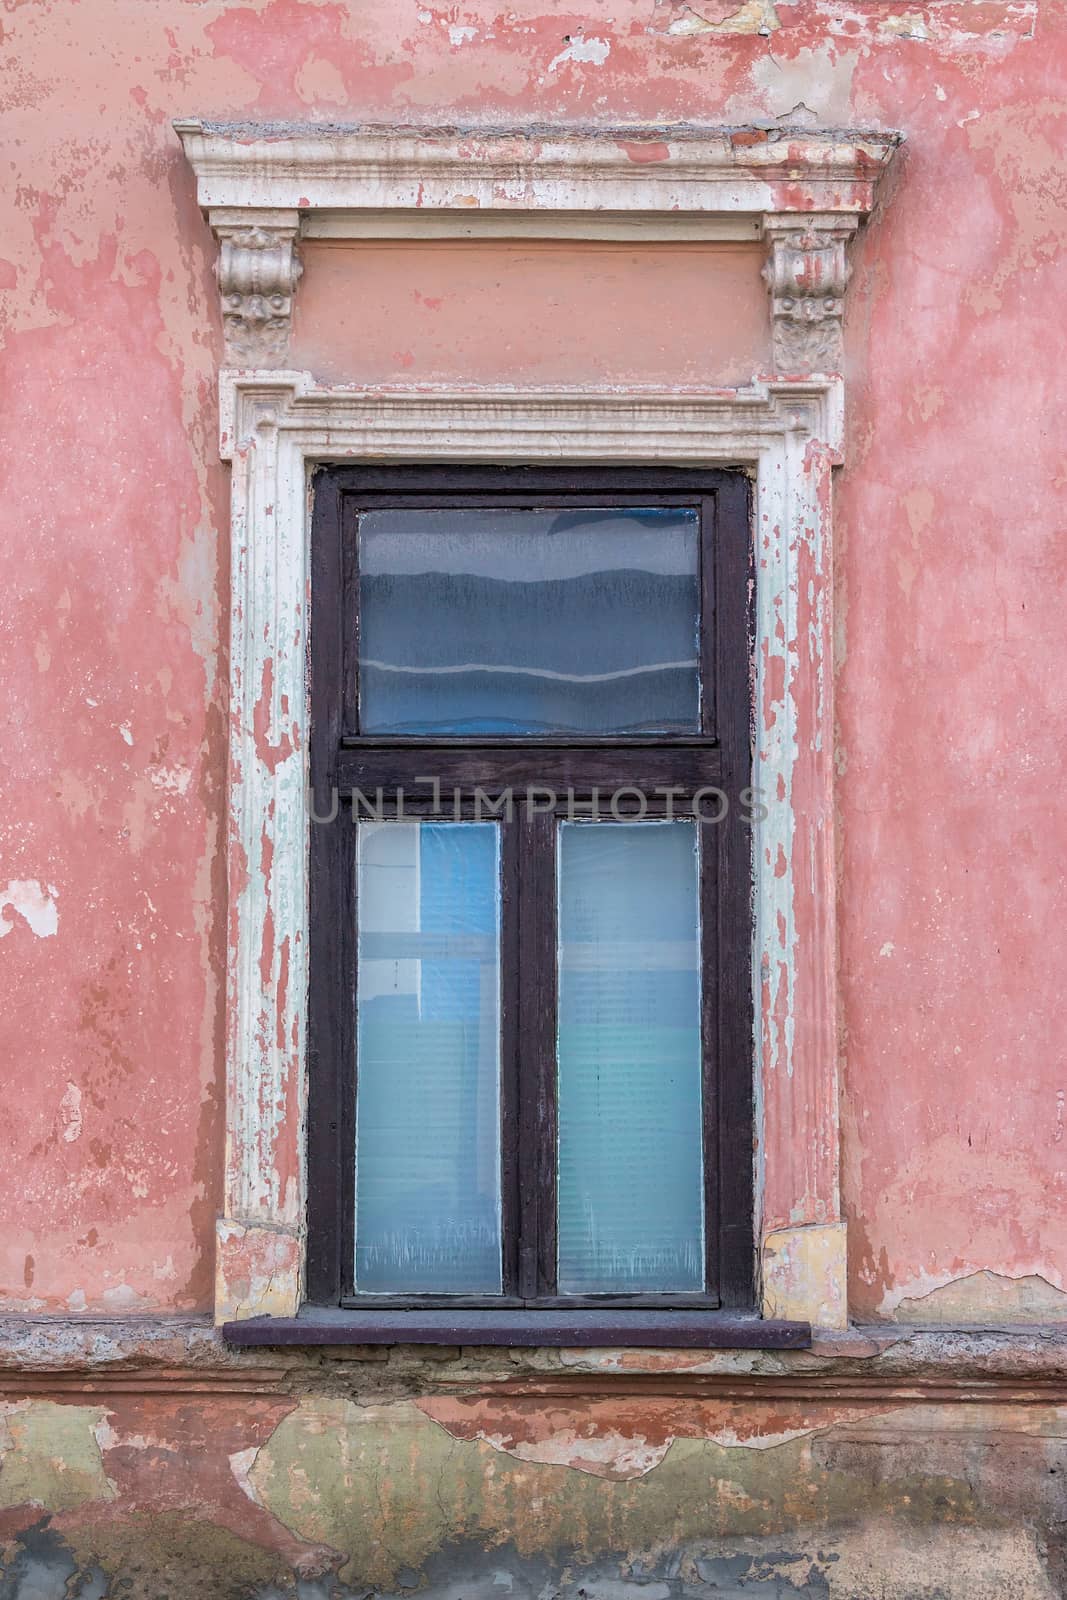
{"x": 330, "y": 1496}
{"x": 950, "y": 572}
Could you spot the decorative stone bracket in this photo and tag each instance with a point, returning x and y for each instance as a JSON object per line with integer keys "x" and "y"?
{"x": 807, "y": 272}
{"x": 803, "y": 192}
{"x": 257, "y": 272}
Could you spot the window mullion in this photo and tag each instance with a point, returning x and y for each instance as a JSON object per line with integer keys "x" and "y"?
{"x": 510, "y": 1050}
{"x": 537, "y": 1013}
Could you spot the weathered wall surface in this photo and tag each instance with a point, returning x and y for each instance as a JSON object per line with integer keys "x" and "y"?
{"x": 244, "y": 1498}
{"x": 950, "y": 576}
{"x": 835, "y": 1476}
{"x": 951, "y": 586}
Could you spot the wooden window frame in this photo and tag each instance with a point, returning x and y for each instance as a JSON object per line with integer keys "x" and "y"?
{"x": 720, "y": 755}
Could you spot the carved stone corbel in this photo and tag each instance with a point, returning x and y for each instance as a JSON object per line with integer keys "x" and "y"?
{"x": 257, "y": 272}
{"x": 807, "y": 272}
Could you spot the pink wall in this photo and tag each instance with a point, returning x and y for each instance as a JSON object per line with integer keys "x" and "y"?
{"x": 537, "y": 313}
{"x": 950, "y": 586}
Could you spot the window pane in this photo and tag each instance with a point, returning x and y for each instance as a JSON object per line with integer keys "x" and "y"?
{"x": 428, "y": 1052}
{"x": 513, "y": 622}
{"x": 630, "y": 1134}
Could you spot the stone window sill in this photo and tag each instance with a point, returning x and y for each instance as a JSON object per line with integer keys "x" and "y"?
{"x": 569, "y": 1329}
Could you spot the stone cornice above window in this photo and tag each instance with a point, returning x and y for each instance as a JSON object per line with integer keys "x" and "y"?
{"x": 263, "y": 187}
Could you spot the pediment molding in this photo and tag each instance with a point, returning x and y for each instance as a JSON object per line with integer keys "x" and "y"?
{"x": 264, "y": 187}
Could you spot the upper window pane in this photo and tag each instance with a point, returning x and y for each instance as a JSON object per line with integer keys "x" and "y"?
{"x": 529, "y": 622}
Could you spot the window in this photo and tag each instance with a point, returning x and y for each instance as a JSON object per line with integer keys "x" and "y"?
{"x": 530, "y": 1018}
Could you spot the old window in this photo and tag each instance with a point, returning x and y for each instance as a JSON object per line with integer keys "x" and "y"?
{"x": 263, "y": 190}
{"x": 531, "y": 1025}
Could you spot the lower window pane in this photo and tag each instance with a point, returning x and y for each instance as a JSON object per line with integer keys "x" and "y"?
{"x": 629, "y": 1059}
{"x": 428, "y": 1058}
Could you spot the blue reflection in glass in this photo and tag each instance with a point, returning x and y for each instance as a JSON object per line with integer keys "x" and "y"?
{"x": 513, "y": 621}
{"x": 428, "y": 1055}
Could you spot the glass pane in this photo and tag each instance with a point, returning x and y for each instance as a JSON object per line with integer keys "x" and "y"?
{"x": 630, "y": 1136}
{"x": 510, "y": 622}
{"x": 428, "y": 1052}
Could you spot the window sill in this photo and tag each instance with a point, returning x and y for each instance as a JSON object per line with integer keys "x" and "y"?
{"x": 680, "y": 1330}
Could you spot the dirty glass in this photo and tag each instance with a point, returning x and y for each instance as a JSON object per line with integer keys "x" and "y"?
{"x": 528, "y": 622}
{"x": 428, "y": 1053}
{"x": 630, "y": 1159}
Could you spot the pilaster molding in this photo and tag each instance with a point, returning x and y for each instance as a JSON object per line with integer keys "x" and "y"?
{"x": 805, "y": 1276}
{"x": 806, "y": 273}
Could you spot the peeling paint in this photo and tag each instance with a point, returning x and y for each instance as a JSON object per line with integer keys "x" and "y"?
{"x": 623, "y": 1439}
{"x": 753, "y": 16}
{"x": 590, "y": 51}
{"x": 204, "y": 1471}
{"x": 415, "y": 1499}
{"x": 804, "y": 1274}
{"x": 34, "y": 903}
{"x": 258, "y": 1271}
{"x": 70, "y": 1111}
{"x": 985, "y": 1297}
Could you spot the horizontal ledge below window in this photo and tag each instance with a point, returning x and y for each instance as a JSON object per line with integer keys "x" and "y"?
{"x": 683, "y": 1330}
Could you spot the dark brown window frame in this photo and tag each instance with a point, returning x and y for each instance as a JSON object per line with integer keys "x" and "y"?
{"x": 720, "y": 755}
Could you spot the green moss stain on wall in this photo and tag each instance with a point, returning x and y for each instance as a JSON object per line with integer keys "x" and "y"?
{"x": 390, "y": 1488}
{"x": 50, "y": 1456}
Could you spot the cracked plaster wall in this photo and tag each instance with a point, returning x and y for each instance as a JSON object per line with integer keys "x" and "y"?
{"x": 338, "y": 1496}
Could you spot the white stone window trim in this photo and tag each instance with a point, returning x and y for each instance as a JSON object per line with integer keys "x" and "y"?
{"x": 275, "y": 428}
{"x": 804, "y": 194}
